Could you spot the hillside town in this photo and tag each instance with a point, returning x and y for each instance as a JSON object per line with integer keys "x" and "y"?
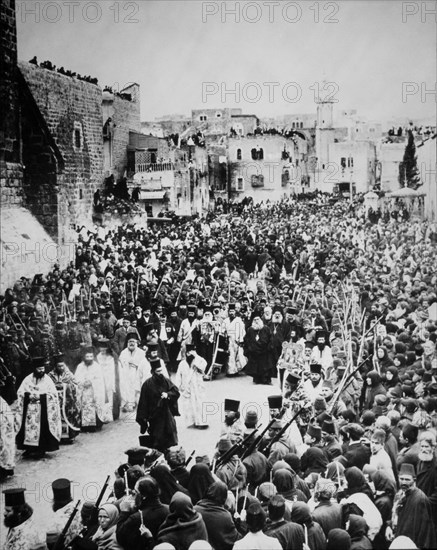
{"x": 217, "y": 330}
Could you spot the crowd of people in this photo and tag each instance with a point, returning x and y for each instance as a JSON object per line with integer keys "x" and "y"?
{"x": 333, "y": 312}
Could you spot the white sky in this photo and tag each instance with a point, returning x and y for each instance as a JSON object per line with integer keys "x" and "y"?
{"x": 172, "y": 48}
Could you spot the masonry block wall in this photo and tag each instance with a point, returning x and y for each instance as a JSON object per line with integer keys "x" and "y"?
{"x": 11, "y": 172}
{"x": 126, "y": 117}
{"x": 72, "y": 110}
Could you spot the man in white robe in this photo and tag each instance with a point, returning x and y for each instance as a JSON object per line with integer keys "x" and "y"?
{"x": 236, "y": 332}
{"x": 189, "y": 379}
{"x": 91, "y": 391}
{"x": 134, "y": 370}
{"x": 109, "y": 366}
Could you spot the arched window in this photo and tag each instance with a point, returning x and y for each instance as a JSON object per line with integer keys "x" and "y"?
{"x": 238, "y": 154}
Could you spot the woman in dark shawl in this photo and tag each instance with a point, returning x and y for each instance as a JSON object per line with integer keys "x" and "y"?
{"x": 357, "y": 530}
{"x": 338, "y": 539}
{"x": 167, "y": 483}
{"x": 284, "y": 483}
{"x": 356, "y": 483}
{"x": 392, "y": 378}
{"x": 374, "y": 387}
{"x": 314, "y": 535}
{"x": 183, "y": 525}
{"x": 335, "y": 472}
{"x": 313, "y": 461}
{"x": 383, "y": 359}
{"x": 199, "y": 481}
{"x": 218, "y": 521}
{"x": 385, "y": 491}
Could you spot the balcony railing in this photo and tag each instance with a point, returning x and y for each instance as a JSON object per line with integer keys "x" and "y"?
{"x": 155, "y": 167}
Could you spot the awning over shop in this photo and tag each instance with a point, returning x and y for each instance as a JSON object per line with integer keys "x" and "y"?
{"x": 152, "y": 195}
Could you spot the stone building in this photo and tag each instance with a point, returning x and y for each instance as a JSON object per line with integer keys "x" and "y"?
{"x": 265, "y": 166}
{"x": 170, "y": 178}
{"x": 60, "y": 136}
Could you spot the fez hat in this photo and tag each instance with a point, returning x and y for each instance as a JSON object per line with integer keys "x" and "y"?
{"x": 190, "y": 347}
{"x": 275, "y": 401}
{"x": 316, "y": 368}
{"x": 232, "y": 405}
{"x": 251, "y": 419}
{"x": 224, "y": 445}
{"x": 231, "y": 307}
{"x": 276, "y": 425}
{"x": 61, "y": 489}
{"x": 14, "y": 497}
{"x": 314, "y": 430}
{"x": 148, "y": 328}
{"x": 407, "y": 469}
{"x": 328, "y": 426}
{"x": 132, "y": 336}
{"x": 192, "y": 308}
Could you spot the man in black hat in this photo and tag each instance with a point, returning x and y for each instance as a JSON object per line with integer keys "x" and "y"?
{"x": 67, "y": 388}
{"x": 313, "y": 386}
{"x": 23, "y": 531}
{"x": 157, "y": 408}
{"x": 40, "y": 414}
{"x": 321, "y": 352}
{"x": 63, "y": 507}
{"x": 232, "y": 428}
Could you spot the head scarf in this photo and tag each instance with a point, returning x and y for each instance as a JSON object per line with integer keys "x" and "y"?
{"x": 284, "y": 483}
{"x": 315, "y": 461}
{"x": 200, "y": 480}
{"x": 338, "y": 539}
{"x": 217, "y": 492}
{"x": 356, "y": 482}
{"x": 383, "y": 482}
{"x": 167, "y": 482}
{"x": 334, "y": 471}
{"x": 300, "y": 513}
{"x": 181, "y": 511}
{"x": 357, "y": 527}
{"x": 106, "y": 539}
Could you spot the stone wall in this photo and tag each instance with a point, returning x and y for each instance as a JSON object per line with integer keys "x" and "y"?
{"x": 126, "y": 118}
{"x": 11, "y": 171}
{"x": 72, "y": 111}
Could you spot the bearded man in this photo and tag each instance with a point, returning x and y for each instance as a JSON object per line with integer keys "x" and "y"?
{"x": 157, "y": 408}
{"x": 18, "y": 518}
{"x": 38, "y": 406}
{"x": 91, "y": 386}
{"x": 257, "y": 350}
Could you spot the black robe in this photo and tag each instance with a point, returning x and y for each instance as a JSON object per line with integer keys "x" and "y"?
{"x": 415, "y": 519}
{"x": 159, "y": 413}
{"x": 257, "y": 351}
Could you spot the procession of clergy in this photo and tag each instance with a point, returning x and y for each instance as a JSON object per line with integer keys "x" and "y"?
{"x": 337, "y": 309}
